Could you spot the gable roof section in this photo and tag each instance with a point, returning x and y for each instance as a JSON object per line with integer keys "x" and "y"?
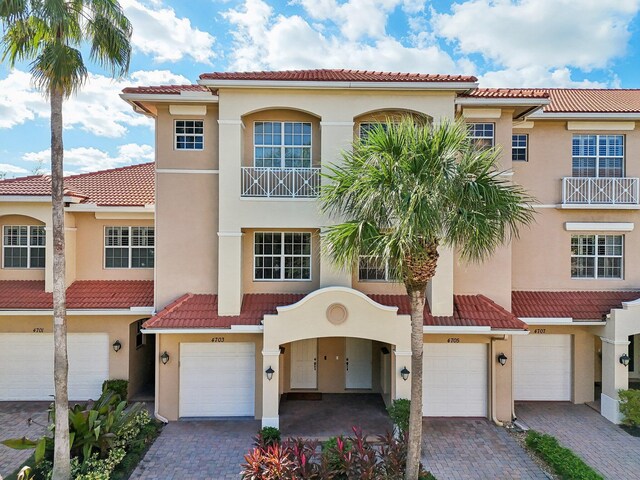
{"x": 132, "y": 185}
{"x": 577, "y": 305}
{"x": 84, "y": 294}
{"x": 201, "y": 311}
{"x": 165, "y": 89}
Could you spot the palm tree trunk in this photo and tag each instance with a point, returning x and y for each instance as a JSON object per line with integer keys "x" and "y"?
{"x": 61, "y": 456}
{"x": 417, "y": 296}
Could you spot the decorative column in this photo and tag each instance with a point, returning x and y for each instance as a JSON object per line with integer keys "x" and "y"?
{"x": 271, "y": 389}
{"x": 615, "y": 376}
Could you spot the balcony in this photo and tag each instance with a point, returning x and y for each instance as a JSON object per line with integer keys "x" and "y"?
{"x": 259, "y": 182}
{"x": 600, "y": 192}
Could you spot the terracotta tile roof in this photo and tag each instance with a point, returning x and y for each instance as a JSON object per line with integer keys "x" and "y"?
{"x": 133, "y": 185}
{"x": 84, "y": 294}
{"x": 201, "y": 311}
{"x": 166, "y": 89}
{"x": 577, "y": 305}
{"x": 342, "y": 75}
{"x": 506, "y": 93}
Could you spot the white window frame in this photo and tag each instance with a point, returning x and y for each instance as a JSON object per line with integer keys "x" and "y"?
{"x": 176, "y": 135}
{"x": 374, "y": 280}
{"x": 282, "y": 257}
{"x": 361, "y": 124}
{"x": 597, "y": 155}
{"x": 28, "y": 246}
{"x": 597, "y": 256}
{"x": 130, "y": 247}
{"x": 519, "y": 148}
{"x": 473, "y": 136}
{"x": 282, "y": 146}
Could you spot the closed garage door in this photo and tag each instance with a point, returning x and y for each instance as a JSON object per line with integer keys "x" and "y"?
{"x": 455, "y": 380}
{"x": 27, "y": 365}
{"x": 542, "y": 367}
{"x": 217, "y": 379}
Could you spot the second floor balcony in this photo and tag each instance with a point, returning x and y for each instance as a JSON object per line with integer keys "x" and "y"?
{"x": 610, "y": 192}
{"x": 267, "y": 182}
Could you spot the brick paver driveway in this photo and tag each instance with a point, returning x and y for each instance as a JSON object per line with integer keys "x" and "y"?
{"x": 202, "y": 449}
{"x": 603, "y": 445}
{"x": 14, "y": 423}
{"x": 474, "y": 448}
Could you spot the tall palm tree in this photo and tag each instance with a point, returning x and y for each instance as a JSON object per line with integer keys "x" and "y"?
{"x": 406, "y": 189}
{"x": 50, "y": 35}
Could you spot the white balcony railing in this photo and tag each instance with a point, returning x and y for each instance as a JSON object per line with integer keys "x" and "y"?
{"x": 600, "y": 190}
{"x": 280, "y": 182}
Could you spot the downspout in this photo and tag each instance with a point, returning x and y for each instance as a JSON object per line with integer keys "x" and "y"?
{"x": 157, "y": 383}
{"x": 494, "y": 417}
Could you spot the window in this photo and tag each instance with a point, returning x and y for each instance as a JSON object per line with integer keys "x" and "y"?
{"x": 282, "y": 256}
{"x": 596, "y": 256}
{"x": 366, "y": 127}
{"x": 23, "y": 246}
{"x": 371, "y": 268}
{"x": 519, "y": 147}
{"x": 129, "y": 247}
{"x": 140, "y": 338}
{"x": 189, "y": 134}
{"x": 598, "y": 156}
{"x": 482, "y": 134}
{"x": 282, "y": 144}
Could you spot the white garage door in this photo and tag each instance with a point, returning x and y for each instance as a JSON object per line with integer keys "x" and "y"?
{"x": 217, "y": 379}
{"x": 455, "y": 380}
{"x": 26, "y": 360}
{"x": 542, "y": 367}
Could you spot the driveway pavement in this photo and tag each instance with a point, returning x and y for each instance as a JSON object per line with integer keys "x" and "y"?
{"x": 603, "y": 445}
{"x": 474, "y": 448}
{"x": 14, "y": 423}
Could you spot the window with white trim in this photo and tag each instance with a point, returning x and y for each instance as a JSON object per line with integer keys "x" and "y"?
{"x": 597, "y": 156}
{"x": 23, "y": 246}
{"x": 189, "y": 134}
{"x": 372, "y": 269}
{"x": 282, "y": 144}
{"x": 482, "y": 134}
{"x": 596, "y": 256}
{"x": 366, "y": 127}
{"x": 282, "y": 256}
{"x": 129, "y": 247}
{"x": 519, "y": 147}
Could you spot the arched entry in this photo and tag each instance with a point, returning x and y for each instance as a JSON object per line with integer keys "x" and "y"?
{"x": 332, "y": 312}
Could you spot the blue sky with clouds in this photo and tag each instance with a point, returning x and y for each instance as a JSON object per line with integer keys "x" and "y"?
{"x": 525, "y": 43}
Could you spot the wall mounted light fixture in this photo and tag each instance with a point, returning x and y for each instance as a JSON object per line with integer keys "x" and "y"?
{"x": 502, "y": 359}
{"x": 624, "y": 359}
{"x": 164, "y": 358}
{"x": 116, "y": 346}
{"x": 269, "y": 371}
{"x": 404, "y": 373}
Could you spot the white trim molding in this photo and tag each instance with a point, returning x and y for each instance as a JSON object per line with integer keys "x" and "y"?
{"x": 461, "y": 330}
{"x": 146, "y": 311}
{"x": 599, "y": 126}
{"x": 92, "y": 207}
{"x": 230, "y": 234}
{"x": 615, "y": 342}
{"x": 232, "y": 329}
{"x": 598, "y": 226}
{"x": 561, "y": 321}
{"x": 482, "y": 113}
{"x": 199, "y": 110}
{"x": 232, "y": 122}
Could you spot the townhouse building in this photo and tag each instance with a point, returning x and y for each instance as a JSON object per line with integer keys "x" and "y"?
{"x": 206, "y": 267}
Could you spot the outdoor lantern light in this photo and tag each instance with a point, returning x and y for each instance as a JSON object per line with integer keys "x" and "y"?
{"x": 164, "y": 358}
{"x": 269, "y": 371}
{"x": 502, "y": 359}
{"x": 624, "y": 359}
{"x": 116, "y": 346}
{"x": 404, "y": 373}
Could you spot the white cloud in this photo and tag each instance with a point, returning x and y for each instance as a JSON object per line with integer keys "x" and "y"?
{"x": 159, "y": 32}
{"x": 7, "y": 168}
{"x": 97, "y": 108}
{"x": 536, "y": 76}
{"x": 585, "y": 34}
{"x": 90, "y": 159}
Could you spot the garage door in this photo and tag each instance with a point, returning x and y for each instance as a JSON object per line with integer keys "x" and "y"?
{"x": 542, "y": 367}
{"x": 217, "y": 379}
{"x": 455, "y": 380}
{"x": 27, "y": 365}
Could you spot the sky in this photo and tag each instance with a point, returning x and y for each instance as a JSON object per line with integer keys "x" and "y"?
{"x": 505, "y": 43}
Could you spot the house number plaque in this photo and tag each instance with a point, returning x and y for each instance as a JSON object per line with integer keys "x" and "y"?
{"x": 217, "y": 339}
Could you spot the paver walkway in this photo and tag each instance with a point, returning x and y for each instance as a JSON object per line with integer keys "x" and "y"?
{"x": 14, "y": 423}
{"x": 603, "y": 445}
{"x": 474, "y": 448}
{"x": 202, "y": 449}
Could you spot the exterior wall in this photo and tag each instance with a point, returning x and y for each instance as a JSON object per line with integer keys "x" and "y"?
{"x": 18, "y": 273}
{"x": 168, "y": 376}
{"x": 90, "y": 256}
{"x": 373, "y": 287}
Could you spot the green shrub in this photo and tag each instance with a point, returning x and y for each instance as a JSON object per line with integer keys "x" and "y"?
{"x": 563, "y": 461}
{"x": 267, "y": 436}
{"x": 121, "y": 387}
{"x": 630, "y": 407}
{"x": 399, "y": 413}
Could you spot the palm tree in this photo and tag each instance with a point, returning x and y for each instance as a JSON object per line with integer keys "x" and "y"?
{"x": 406, "y": 189}
{"x": 50, "y": 34}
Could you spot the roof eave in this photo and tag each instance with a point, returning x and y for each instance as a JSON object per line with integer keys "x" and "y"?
{"x": 541, "y": 115}
{"x": 328, "y": 85}
{"x": 205, "y": 97}
{"x": 496, "y": 102}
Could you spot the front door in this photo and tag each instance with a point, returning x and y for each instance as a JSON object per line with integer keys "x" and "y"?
{"x": 358, "y": 363}
{"x": 304, "y": 363}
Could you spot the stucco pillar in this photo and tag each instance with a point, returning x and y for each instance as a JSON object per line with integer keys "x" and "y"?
{"x": 615, "y": 376}
{"x": 402, "y": 387}
{"x": 584, "y": 367}
{"x": 229, "y": 273}
{"x": 440, "y": 288}
{"x": 271, "y": 389}
{"x": 501, "y": 378}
